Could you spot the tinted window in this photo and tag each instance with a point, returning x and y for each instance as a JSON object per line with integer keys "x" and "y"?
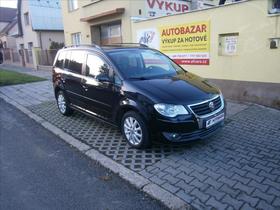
{"x": 67, "y": 60}
{"x": 153, "y": 60}
{"x": 143, "y": 63}
{"x": 76, "y": 62}
{"x": 96, "y": 66}
{"x": 60, "y": 60}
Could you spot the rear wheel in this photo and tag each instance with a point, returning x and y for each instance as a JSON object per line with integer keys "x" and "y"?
{"x": 63, "y": 104}
{"x": 135, "y": 130}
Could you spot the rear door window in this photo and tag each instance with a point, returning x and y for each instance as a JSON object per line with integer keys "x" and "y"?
{"x": 96, "y": 66}
{"x": 76, "y": 62}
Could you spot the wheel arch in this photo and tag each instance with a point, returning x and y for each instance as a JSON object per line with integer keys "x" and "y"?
{"x": 57, "y": 87}
{"x": 56, "y": 90}
{"x": 130, "y": 107}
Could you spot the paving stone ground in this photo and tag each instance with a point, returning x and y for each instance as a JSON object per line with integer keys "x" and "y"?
{"x": 239, "y": 168}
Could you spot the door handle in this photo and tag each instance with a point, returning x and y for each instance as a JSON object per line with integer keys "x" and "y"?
{"x": 85, "y": 87}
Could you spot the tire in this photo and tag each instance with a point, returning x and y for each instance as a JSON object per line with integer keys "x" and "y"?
{"x": 63, "y": 104}
{"x": 135, "y": 131}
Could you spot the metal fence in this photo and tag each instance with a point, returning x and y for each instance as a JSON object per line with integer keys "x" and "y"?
{"x": 28, "y": 56}
{"x": 15, "y": 55}
{"x": 24, "y": 57}
{"x": 46, "y": 57}
{"x": 6, "y": 54}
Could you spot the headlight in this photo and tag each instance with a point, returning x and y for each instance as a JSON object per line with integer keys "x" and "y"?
{"x": 170, "y": 110}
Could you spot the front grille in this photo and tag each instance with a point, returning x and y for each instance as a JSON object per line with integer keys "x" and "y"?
{"x": 203, "y": 108}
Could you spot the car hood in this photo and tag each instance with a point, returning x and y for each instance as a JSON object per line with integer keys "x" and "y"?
{"x": 184, "y": 88}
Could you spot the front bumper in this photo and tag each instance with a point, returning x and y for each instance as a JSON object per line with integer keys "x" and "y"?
{"x": 188, "y": 129}
{"x": 194, "y": 135}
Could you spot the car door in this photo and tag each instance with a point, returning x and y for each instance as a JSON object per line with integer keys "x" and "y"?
{"x": 98, "y": 86}
{"x": 72, "y": 77}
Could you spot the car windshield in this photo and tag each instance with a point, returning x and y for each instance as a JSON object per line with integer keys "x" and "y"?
{"x": 143, "y": 64}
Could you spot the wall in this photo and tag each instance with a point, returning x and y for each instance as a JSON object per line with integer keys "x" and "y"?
{"x": 255, "y": 65}
{"x": 87, "y": 8}
{"x": 28, "y": 34}
{"x": 10, "y": 41}
{"x": 48, "y": 36}
{"x": 3, "y": 25}
{"x": 254, "y": 60}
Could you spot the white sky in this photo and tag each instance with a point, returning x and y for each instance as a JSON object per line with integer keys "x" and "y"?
{"x": 8, "y": 3}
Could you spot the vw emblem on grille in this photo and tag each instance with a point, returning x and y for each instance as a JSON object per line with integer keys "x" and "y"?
{"x": 211, "y": 106}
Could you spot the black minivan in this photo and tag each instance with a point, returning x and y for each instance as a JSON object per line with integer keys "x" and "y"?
{"x": 138, "y": 89}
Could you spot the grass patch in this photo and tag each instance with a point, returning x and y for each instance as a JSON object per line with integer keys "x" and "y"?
{"x": 13, "y": 78}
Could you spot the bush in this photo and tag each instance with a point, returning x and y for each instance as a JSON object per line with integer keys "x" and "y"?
{"x": 56, "y": 45}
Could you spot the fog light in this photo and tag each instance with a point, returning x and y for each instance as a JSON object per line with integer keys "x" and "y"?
{"x": 171, "y": 136}
{"x": 175, "y": 135}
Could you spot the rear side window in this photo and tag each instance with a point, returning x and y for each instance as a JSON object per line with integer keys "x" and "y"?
{"x": 67, "y": 60}
{"x": 76, "y": 62}
{"x": 60, "y": 60}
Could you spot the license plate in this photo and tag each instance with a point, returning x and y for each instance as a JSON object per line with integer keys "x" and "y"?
{"x": 215, "y": 120}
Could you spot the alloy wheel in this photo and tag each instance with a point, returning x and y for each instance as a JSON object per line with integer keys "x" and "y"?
{"x": 61, "y": 103}
{"x": 133, "y": 131}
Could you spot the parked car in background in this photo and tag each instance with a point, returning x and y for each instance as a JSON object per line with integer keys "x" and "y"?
{"x": 138, "y": 89}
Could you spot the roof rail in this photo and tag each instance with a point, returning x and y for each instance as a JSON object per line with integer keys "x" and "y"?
{"x": 83, "y": 45}
{"x": 121, "y": 44}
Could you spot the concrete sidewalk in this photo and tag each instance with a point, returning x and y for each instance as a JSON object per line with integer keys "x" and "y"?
{"x": 30, "y": 93}
{"x": 235, "y": 169}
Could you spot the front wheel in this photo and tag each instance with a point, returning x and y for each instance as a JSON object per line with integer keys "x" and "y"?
{"x": 135, "y": 131}
{"x": 63, "y": 104}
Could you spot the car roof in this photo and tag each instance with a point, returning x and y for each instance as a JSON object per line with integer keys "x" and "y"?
{"x": 107, "y": 48}
{"x": 113, "y": 49}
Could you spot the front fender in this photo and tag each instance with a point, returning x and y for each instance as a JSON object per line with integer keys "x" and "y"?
{"x": 141, "y": 106}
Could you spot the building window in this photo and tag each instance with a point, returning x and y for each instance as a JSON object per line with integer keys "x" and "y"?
{"x": 115, "y": 30}
{"x": 72, "y": 5}
{"x": 228, "y": 44}
{"x": 26, "y": 18}
{"x": 76, "y": 38}
{"x": 30, "y": 45}
{"x": 109, "y": 31}
{"x": 274, "y": 6}
{"x": 274, "y": 43}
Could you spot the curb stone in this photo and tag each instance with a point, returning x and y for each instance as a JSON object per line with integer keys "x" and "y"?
{"x": 168, "y": 199}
